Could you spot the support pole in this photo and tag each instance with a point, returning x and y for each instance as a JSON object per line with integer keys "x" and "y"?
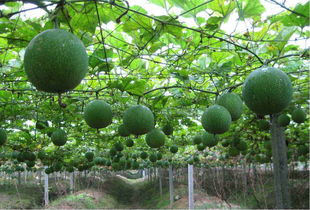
{"x": 143, "y": 173}
{"x": 72, "y": 182}
{"x": 279, "y": 154}
{"x": 46, "y": 199}
{"x": 190, "y": 187}
{"x": 171, "y": 186}
{"x": 19, "y": 178}
{"x": 160, "y": 182}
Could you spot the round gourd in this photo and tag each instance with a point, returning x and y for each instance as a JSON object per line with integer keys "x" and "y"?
{"x": 138, "y": 120}
{"x": 129, "y": 143}
{"x": 100, "y": 161}
{"x": 49, "y": 170}
{"x": 299, "y": 116}
{"x": 209, "y": 140}
{"x": 155, "y": 138}
{"x": 168, "y": 129}
{"x": 89, "y": 156}
{"x": 30, "y": 164}
{"x": 112, "y": 152}
{"x": 159, "y": 156}
{"x": 232, "y": 103}
{"x": 267, "y": 91}
{"x": 284, "y": 120}
{"x": 59, "y": 137}
{"x": 119, "y": 146}
{"x": 55, "y": 61}
{"x": 3, "y": 137}
{"x": 122, "y": 131}
{"x": 30, "y": 156}
{"x": 153, "y": 158}
{"x": 143, "y": 155}
{"x": 174, "y": 149}
{"x": 263, "y": 125}
{"x": 216, "y": 119}
{"x": 21, "y": 157}
{"x": 197, "y": 139}
{"x": 98, "y": 114}
{"x": 108, "y": 163}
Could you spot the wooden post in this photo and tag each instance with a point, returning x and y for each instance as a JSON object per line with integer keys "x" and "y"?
{"x": 40, "y": 176}
{"x": 171, "y": 186}
{"x": 25, "y": 175}
{"x": 19, "y": 177}
{"x": 160, "y": 182}
{"x": 46, "y": 199}
{"x": 72, "y": 182}
{"x": 190, "y": 187}
{"x": 279, "y": 154}
{"x": 143, "y": 174}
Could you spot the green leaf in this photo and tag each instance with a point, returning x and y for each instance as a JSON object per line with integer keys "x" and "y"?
{"x": 134, "y": 86}
{"x": 158, "y": 2}
{"x": 99, "y": 57}
{"x": 282, "y": 38}
{"x": 137, "y": 22}
{"x": 85, "y": 22}
{"x": 222, "y": 6}
{"x": 213, "y": 23}
{"x": 249, "y": 8}
{"x": 295, "y": 20}
{"x": 171, "y": 29}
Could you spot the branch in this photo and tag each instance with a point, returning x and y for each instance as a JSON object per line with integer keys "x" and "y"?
{"x": 284, "y": 56}
{"x": 25, "y": 10}
{"x": 185, "y": 27}
{"x": 181, "y": 87}
{"x": 288, "y": 9}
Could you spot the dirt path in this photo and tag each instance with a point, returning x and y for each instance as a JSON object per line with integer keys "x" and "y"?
{"x": 122, "y": 193}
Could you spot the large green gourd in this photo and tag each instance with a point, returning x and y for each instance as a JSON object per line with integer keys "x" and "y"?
{"x": 138, "y": 120}
{"x": 122, "y": 131}
{"x": 209, "y": 140}
{"x": 216, "y": 119}
{"x": 59, "y": 137}
{"x": 232, "y": 103}
{"x": 267, "y": 91}
{"x": 98, "y": 114}
{"x": 55, "y": 61}
{"x": 155, "y": 138}
{"x": 299, "y": 116}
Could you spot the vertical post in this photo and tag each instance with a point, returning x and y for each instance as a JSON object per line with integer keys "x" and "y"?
{"x": 171, "y": 185}
{"x": 279, "y": 154}
{"x": 160, "y": 183}
{"x": 143, "y": 173}
{"x": 72, "y": 182}
{"x": 40, "y": 176}
{"x": 190, "y": 187}
{"x": 19, "y": 177}
{"x": 46, "y": 201}
{"x": 25, "y": 175}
